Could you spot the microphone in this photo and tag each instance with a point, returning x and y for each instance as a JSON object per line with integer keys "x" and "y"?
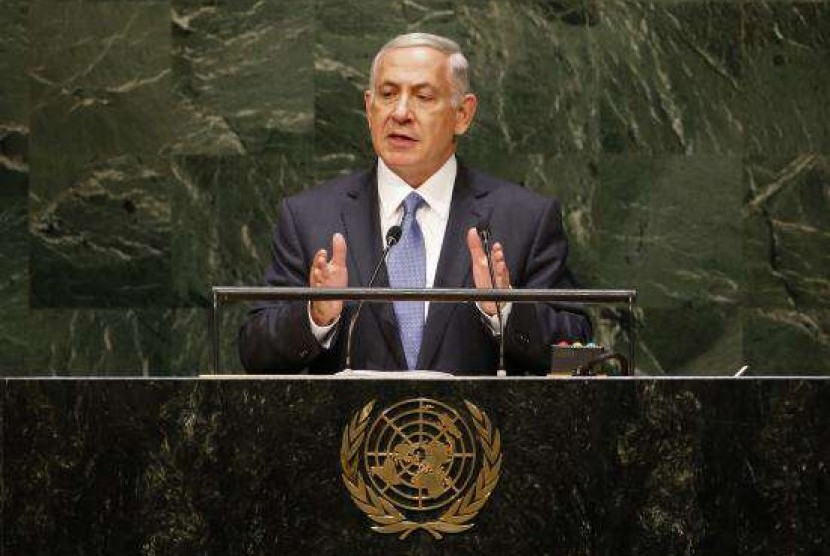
{"x": 393, "y": 236}
{"x": 483, "y": 229}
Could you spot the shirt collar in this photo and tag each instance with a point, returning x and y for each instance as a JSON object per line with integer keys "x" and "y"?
{"x": 436, "y": 191}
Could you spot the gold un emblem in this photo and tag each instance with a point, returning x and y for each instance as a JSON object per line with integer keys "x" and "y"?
{"x": 421, "y": 459}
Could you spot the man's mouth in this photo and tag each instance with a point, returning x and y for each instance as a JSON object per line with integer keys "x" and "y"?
{"x": 401, "y": 139}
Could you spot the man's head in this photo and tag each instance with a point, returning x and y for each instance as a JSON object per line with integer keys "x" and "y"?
{"x": 418, "y": 103}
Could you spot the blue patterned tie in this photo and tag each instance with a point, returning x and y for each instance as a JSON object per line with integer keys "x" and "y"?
{"x": 408, "y": 269}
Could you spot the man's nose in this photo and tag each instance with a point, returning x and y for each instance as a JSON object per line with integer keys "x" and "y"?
{"x": 402, "y": 111}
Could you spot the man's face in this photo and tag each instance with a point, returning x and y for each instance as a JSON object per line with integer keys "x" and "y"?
{"x": 411, "y": 116}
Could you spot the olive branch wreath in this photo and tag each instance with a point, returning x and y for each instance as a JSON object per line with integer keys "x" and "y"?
{"x": 388, "y": 518}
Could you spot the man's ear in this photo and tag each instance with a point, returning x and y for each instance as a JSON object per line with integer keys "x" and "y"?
{"x": 367, "y": 104}
{"x": 464, "y": 113}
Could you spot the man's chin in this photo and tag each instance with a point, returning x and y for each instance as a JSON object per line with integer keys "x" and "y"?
{"x": 408, "y": 170}
{"x": 402, "y": 151}
{"x": 399, "y": 160}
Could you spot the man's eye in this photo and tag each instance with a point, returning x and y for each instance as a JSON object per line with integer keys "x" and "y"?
{"x": 425, "y": 98}
{"x": 386, "y": 94}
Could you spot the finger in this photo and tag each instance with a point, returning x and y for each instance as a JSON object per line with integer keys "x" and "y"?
{"x": 500, "y": 266}
{"x": 315, "y": 280}
{"x": 318, "y": 267}
{"x": 504, "y": 276}
{"x": 321, "y": 267}
{"x": 320, "y": 256}
{"x": 338, "y": 250}
{"x": 497, "y": 252}
{"x": 476, "y": 248}
{"x": 501, "y": 272}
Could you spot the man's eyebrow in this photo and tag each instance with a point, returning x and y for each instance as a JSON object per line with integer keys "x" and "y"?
{"x": 421, "y": 85}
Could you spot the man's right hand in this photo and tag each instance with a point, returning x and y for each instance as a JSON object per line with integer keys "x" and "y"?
{"x": 327, "y": 273}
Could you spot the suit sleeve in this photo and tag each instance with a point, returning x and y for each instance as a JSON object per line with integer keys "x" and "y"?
{"x": 533, "y": 327}
{"x": 277, "y": 336}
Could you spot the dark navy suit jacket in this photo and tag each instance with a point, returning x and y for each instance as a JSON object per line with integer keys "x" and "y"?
{"x": 276, "y": 336}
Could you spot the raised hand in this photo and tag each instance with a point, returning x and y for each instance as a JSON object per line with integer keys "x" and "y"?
{"x": 327, "y": 273}
{"x": 481, "y": 274}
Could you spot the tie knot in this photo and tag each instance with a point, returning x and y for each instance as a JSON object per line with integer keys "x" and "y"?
{"x": 412, "y": 203}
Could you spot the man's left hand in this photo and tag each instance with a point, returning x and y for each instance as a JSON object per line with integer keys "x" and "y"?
{"x": 481, "y": 274}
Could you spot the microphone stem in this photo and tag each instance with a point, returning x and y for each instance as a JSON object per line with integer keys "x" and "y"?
{"x": 353, "y": 320}
{"x": 349, "y": 336}
{"x": 501, "y": 371}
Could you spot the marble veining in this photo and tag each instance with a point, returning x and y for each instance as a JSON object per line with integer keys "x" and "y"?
{"x": 589, "y": 466}
{"x": 145, "y": 147}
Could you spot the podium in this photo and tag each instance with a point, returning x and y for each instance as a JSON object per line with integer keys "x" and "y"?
{"x": 258, "y": 465}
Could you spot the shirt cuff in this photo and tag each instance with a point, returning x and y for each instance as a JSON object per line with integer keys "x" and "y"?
{"x": 493, "y": 320}
{"x": 323, "y": 334}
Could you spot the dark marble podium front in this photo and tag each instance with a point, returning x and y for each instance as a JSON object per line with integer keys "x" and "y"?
{"x": 252, "y": 466}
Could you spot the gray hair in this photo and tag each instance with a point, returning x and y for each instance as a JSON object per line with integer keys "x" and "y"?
{"x": 459, "y": 67}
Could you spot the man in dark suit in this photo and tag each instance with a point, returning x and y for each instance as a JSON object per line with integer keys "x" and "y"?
{"x": 417, "y": 105}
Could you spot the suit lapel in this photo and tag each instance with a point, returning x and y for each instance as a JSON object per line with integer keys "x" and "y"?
{"x": 362, "y": 223}
{"x": 454, "y": 262}
{"x": 361, "y": 220}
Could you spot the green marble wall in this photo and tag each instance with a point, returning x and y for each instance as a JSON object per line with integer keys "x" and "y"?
{"x": 144, "y": 146}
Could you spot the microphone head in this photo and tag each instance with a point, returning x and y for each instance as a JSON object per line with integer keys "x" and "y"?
{"x": 483, "y": 229}
{"x": 393, "y": 236}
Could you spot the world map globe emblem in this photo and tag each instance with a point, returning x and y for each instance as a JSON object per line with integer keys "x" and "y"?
{"x": 420, "y": 465}
{"x": 420, "y": 454}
